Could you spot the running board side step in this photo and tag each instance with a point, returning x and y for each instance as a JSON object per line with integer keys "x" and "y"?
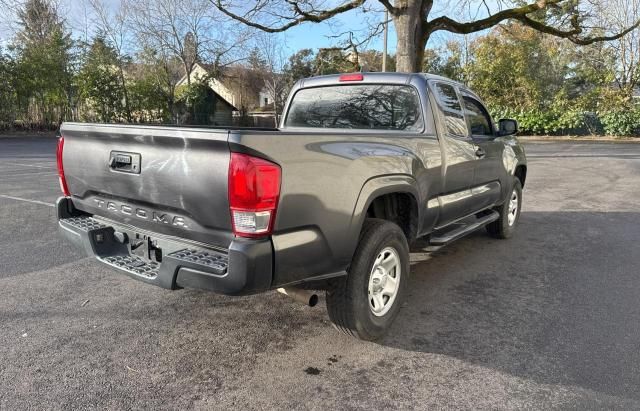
{"x": 464, "y": 229}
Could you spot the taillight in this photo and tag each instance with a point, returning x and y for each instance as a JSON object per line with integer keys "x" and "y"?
{"x": 63, "y": 181}
{"x": 351, "y": 77}
{"x": 254, "y": 188}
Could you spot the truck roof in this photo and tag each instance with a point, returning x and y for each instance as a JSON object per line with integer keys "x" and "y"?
{"x": 375, "y": 77}
{"x": 378, "y": 77}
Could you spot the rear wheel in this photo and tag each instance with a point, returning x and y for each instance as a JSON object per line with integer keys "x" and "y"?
{"x": 365, "y": 303}
{"x": 509, "y": 213}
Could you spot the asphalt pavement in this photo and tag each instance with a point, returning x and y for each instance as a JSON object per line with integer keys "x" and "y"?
{"x": 547, "y": 319}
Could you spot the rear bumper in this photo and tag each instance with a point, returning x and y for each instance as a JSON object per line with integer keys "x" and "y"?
{"x": 245, "y": 268}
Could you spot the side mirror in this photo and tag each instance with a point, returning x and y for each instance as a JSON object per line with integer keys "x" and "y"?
{"x": 507, "y": 127}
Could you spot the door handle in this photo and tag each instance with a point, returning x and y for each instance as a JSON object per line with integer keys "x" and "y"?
{"x": 480, "y": 152}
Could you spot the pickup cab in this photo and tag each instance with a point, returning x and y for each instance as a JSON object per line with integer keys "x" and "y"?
{"x": 363, "y": 165}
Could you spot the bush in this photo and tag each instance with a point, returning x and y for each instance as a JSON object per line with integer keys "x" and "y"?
{"x": 621, "y": 122}
{"x": 537, "y": 122}
{"x": 570, "y": 122}
{"x": 547, "y": 122}
{"x": 196, "y": 104}
{"x": 614, "y": 121}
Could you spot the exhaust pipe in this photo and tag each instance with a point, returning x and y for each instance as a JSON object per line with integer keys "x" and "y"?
{"x": 305, "y": 297}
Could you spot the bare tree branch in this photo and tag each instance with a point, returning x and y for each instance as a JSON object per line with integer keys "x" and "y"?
{"x": 521, "y": 14}
{"x": 184, "y": 28}
{"x": 573, "y": 35}
{"x": 387, "y": 4}
{"x": 113, "y": 25}
{"x": 448, "y": 24}
{"x": 300, "y": 16}
{"x": 564, "y": 18}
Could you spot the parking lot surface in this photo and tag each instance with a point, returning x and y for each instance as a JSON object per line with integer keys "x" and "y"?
{"x": 547, "y": 319}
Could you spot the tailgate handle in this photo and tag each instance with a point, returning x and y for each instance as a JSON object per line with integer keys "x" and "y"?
{"x": 125, "y": 162}
{"x": 120, "y": 159}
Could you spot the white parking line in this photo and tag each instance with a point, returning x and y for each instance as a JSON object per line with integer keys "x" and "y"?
{"x": 27, "y": 200}
{"x": 27, "y": 165}
{"x": 37, "y": 173}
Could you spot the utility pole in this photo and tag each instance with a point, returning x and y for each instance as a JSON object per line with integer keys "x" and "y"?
{"x": 386, "y": 35}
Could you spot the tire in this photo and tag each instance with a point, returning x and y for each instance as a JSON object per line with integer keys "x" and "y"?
{"x": 351, "y": 307}
{"x": 505, "y": 226}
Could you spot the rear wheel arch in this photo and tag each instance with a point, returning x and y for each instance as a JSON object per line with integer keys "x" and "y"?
{"x": 377, "y": 199}
{"x": 400, "y": 208}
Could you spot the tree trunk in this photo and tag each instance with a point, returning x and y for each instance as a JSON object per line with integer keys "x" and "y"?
{"x": 412, "y": 34}
{"x": 187, "y": 71}
{"x": 171, "y": 107}
{"x": 127, "y": 107}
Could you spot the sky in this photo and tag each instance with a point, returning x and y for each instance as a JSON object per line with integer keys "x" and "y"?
{"x": 306, "y": 35}
{"x": 317, "y": 35}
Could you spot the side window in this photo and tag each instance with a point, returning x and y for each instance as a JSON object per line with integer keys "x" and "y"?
{"x": 450, "y": 106}
{"x": 477, "y": 116}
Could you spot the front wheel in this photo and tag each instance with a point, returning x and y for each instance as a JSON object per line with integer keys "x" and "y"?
{"x": 509, "y": 213}
{"x": 365, "y": 303}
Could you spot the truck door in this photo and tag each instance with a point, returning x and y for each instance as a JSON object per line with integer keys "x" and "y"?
{"x": 489, "y": 170}
{"x": 459, "y": 154}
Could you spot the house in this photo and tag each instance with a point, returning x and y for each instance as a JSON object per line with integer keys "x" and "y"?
{"x": 226, "y": 101}
{"x": 240, "y": 98}
{"x": 265, "y": 99}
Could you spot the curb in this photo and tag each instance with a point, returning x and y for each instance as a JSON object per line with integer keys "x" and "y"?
{"x": 604, "y": 139}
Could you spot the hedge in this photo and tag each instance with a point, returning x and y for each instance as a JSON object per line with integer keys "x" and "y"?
{"x": 619, "y": 122}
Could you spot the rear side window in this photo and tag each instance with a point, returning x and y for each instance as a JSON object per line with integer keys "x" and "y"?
{"x": 477, "y": 116}
{"x": 450, "y": 106}
{"x": 362, "y": 106}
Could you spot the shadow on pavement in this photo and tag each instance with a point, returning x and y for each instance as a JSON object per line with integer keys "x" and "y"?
{"x": 557, "y": 303}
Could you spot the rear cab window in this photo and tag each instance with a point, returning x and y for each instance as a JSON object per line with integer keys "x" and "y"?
{"x": 357, "y": 106}
{"x": 451, "y": 108}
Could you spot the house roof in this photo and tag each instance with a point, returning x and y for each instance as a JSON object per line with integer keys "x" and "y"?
{"x": 199, "y": 71}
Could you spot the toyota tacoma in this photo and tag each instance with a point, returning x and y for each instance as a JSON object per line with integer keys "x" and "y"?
{"x": 363, "y": 164}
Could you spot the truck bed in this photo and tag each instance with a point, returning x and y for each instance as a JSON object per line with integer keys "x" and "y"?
{"x": 180, "y": 187}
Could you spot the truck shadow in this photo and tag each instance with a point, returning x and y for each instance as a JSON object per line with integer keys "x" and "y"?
{"x": 557, "y": 303}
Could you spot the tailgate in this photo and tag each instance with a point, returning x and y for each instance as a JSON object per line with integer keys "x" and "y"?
{"x": 161, "y": 179}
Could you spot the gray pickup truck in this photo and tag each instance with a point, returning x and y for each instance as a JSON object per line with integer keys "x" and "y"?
{"x": 362, "y": 165}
